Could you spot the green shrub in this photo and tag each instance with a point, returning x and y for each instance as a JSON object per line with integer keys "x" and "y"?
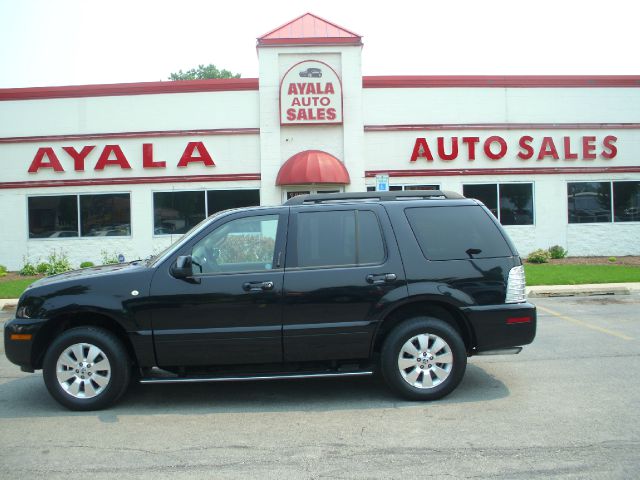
{"x": 86, "y": 264}
{"x": 109, "y": 258}
{"x": 613, "y": 259}
{"x": 557, "y": 252}
{"x": 538, "y": 256}
{"x": 3, "y": 270}
{"x": 58, "y": 263}
{"x": 28, "y": 270}
{"x": 42, "y": 268}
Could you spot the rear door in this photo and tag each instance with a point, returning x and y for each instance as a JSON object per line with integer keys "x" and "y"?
{"x": 343, "y": 267}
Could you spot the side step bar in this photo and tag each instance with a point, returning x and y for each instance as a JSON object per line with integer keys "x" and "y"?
{"x": 246, "y": 378}
{"x": 502, "y": 351}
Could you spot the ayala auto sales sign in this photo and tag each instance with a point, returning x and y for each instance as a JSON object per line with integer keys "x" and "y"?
{"x": 310, "y": 93}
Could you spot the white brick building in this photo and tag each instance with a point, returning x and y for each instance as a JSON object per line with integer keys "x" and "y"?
{"x": 126, "y": 168}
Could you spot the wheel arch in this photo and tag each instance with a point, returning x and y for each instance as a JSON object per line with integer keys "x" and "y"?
{"x": 424, "y": 307}
{"x": 69, "y": 320}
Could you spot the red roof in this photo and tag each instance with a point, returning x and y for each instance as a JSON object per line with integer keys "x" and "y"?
{"x": 309, "y": 29}
{"x": 312, "y": 166}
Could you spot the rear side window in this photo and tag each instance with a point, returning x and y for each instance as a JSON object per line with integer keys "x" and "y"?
{"x": 455, "y": 233}
{"x": 340, "y": 237}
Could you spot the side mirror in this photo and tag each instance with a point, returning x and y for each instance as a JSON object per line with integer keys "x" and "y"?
{"x": 183, "y": 267}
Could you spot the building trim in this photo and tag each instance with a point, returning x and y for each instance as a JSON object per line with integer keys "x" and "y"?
{"x": 392, "y": 81}
{"x": 503, "y": 126}
{"x": 500, "y": 81}
{"x": 118, "y": 89}
{"x": 130, "y": 180}
{"x": 149, "y": 134}
{"x": 501, "y": 171}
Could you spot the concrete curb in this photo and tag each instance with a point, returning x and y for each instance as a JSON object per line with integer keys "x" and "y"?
{"x": 583, "y": 290}
{"x": 8, "y": 303}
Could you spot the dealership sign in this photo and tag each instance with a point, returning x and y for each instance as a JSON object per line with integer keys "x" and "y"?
{"x": 528, "y": 147}
{"x": 310, "y": 94}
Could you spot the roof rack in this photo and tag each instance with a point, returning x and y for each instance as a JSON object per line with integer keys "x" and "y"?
{"x": 372, "y": 196}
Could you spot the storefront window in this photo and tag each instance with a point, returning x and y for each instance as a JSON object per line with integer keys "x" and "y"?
{"x": 177, "y": 212}
{"x": 589, "y": 202}
{"x": 486, "y": 193}
{"x": 516, "y": 204}
{"x": 53, "y": 216}
{"x": 511, "y": 203}
{"x": 107, "y": 215}
{"x": 218, "y": 200}
{"x": 626, "y": 201}
{"x": 397, "y": 188}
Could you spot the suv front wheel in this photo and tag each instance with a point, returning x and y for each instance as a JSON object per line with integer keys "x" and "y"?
{"x": 86, "y": 368}
{"x": 423, "y": 358}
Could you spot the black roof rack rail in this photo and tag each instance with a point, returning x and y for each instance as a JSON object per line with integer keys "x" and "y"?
{"x": 372, "y": 196}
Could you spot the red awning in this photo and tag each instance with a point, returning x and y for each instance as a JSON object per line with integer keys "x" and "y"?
{"x": 312, "y": 166}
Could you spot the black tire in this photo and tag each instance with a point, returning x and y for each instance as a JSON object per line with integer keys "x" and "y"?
{"x": 114, "y": 384}
{"x": 396, "y": 341}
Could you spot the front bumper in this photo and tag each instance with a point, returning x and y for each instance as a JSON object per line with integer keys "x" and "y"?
{"x": 20, "y": 335}
{"x": 502, "y": 326}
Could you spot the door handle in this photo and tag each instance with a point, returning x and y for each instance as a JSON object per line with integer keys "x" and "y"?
{"x": 257, "y": 286}
{"x": 380, "y": 278}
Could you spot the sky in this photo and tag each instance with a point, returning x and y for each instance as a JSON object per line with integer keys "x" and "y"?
{"x": 69, "y": 42}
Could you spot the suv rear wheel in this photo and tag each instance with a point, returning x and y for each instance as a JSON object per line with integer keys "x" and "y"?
{"x": 86, "y": 368}
{"x": 423, "y": 358}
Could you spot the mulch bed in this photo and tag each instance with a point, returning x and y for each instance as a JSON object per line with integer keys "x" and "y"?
{"x": 10, "y": 276}
{"x": 628, "y": 260}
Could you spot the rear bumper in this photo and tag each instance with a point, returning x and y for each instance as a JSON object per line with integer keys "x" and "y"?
{"x": 502, "y": 326}
{"x": 19, "y": 337}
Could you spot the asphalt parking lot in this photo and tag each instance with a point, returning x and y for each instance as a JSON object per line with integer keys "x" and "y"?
{"x": 567, "y": 407}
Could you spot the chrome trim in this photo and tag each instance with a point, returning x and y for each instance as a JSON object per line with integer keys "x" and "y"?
{"x": 292, "y": 376}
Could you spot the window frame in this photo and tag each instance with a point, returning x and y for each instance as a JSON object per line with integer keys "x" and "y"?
{"x": 498, "y": 204}
{"x": 78, "y": 214}
{"x": 611, "y": 202}
{"x": 403, "y": 186}
{"x": 206, "y": 205}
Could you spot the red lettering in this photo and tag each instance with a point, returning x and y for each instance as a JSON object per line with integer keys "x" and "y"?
{"x": 454, "y": 149}
{"x": 119, "y": 159}
{"x": 527, "y": 150}
{"x": 302, "y": 114}
{"x": 38, "y": 161}
{"x": 147, "y": 157}
{"x": 295, "y": 102}
{"x": 487, "y": 147}
{"x": 471, "y": 146}
{"x": 321, "y": 114}
{"x": 187, "y": 156}
{"x": 421, "y": 149}
{"x": 567, "y": 149}
{"x": 292, "y": 89}
{"x": 548, "y": 148}
{"x": 331, "y": 113}
{"x": 588, "y": 148}
{"x": 611, "y": 150}
{"x": 291, "y": 114}
{"x": 329, "y": 89}
{"x": 79, "y": 157}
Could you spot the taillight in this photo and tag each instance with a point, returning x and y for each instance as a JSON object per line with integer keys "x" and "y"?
{"x": 516, "y": 286}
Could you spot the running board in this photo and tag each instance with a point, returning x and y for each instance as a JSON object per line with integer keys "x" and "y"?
{"x": 502, "y": 351}
{"x": 246, "y": 378}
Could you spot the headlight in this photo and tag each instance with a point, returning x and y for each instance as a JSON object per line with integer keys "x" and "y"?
{"x": 23, "y": 311}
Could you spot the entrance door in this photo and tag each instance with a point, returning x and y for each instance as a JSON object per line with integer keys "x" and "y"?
{"x": 230, "y": 311}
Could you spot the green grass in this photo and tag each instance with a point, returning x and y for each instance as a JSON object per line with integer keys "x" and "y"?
{"x": 567, "y": 274}
{"x": 14, "y": 288}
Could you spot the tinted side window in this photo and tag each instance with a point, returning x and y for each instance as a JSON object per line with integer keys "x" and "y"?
{"x": 449, "y": 233}
{"x": 370, "y": 244}
{"x": 338, "y": 238}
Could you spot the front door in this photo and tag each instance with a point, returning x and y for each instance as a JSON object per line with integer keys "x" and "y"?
{"x": 230, "y": 311}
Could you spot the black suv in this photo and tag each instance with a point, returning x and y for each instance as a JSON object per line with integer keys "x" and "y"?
{"x": 408, "y": 284}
